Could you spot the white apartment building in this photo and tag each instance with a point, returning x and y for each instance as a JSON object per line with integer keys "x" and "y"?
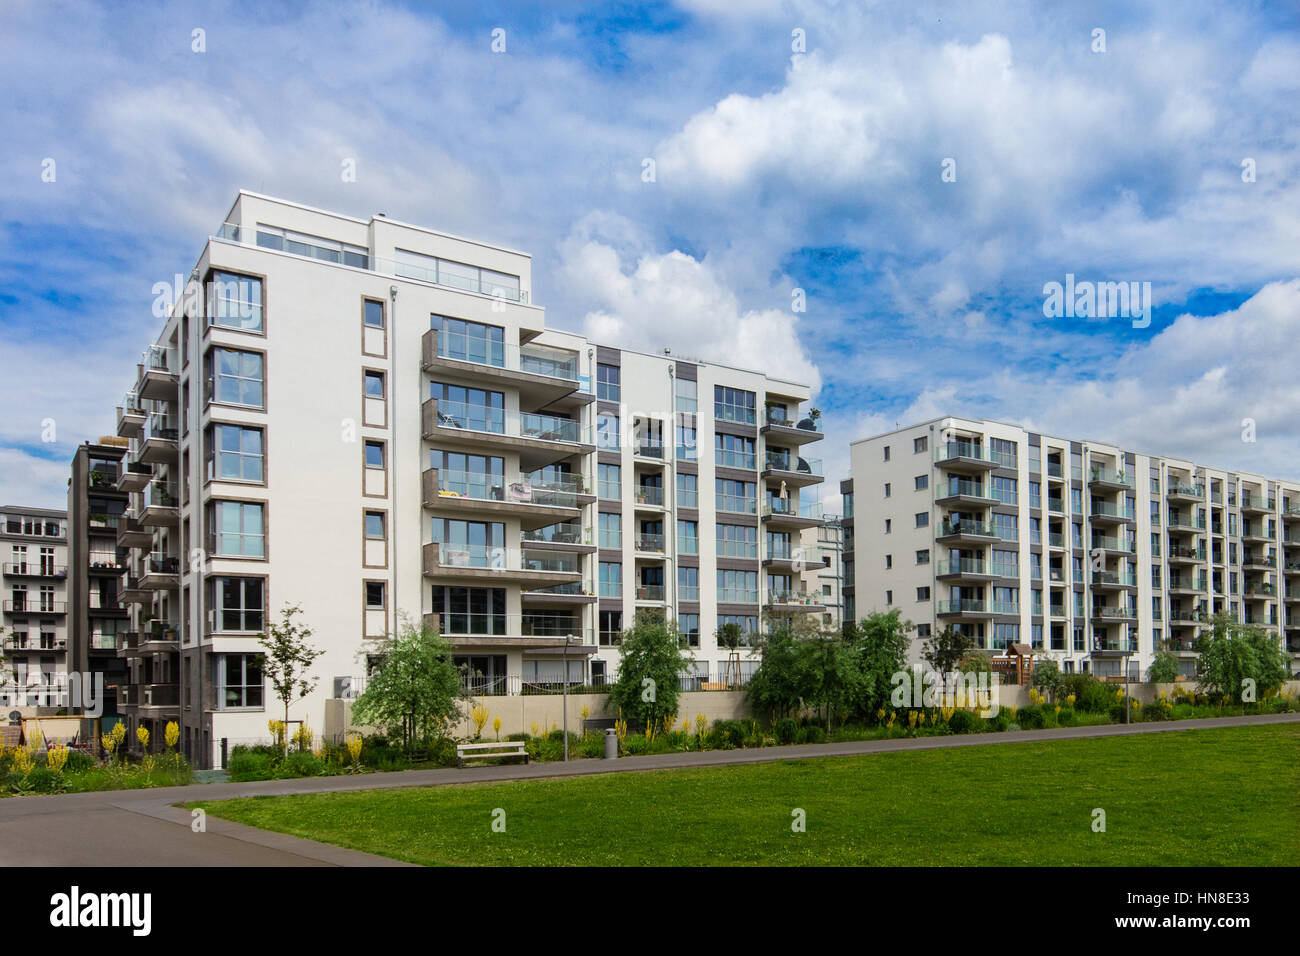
{"x": 370, "y": 419}
{"x": 1090, "y": 553}
{"x": 34, "y": 543}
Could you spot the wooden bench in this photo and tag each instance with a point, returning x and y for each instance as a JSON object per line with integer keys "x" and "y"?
{"x": 506, "y": 748}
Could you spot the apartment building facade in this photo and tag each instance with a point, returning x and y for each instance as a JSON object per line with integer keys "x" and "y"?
{"x": 371, "y": 419}
{"x": 97, "y": 612}
{"x": 34, "y": 545}
{"x": 1091, "y": 553}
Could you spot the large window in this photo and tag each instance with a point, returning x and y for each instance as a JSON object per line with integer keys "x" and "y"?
{"x": 737, "y": 587}
{"x": 236, "y": 378}
{"x": 733, "y": 405}
{"x": 239, "y": 681}
{"x": 689, "y": 626}
{"x": 237, "y": 529}
{"x": 470, "y": 341}
{"x": 607, "y": 436}
{"x": 611, "y": 579}
{"x": 737, "y": 497}
{"x": 237, "y": 604}
{"x": 734, "y": 451}
{"x": 317, "y": 247}
{"x": 688, "y": 495}
{"x": 235, "y": 302}
{"x": 466, "y": 610}
{"x": 469, "y": 543}
{"x": 457, "y": 275}
{"x": 609, "y": 482}
{"x": 737, "y": 541}
{"x": 688, "y": 541}
{"x": 608, "y": 382}
{"x": 611, "y": 530}
{"x": 471, "y": 476}
{"x": 687, "y": 391}
{"x": 235, "y": 453}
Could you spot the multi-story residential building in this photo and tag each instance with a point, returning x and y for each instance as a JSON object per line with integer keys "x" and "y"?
{"x": 823, "y": 569}
{"x": 1090, "y": 553}
{"x": 371, "y": 419}
{"x": 97, "y": 613}
{"x": 34, "y": 546}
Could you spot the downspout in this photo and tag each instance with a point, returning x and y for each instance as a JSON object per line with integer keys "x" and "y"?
{"x": 395, "y": 523}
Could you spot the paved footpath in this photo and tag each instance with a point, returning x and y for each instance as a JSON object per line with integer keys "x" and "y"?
{"x": 144, "y": 828}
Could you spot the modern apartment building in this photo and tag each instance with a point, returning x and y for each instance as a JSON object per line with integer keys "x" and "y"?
{"x": 823, "y": 569}
{"x": 371, "y": 419}
{"x": 97, "y": 613}
{"x": 1091, "y": 553}
{"x": 34, "y": 548}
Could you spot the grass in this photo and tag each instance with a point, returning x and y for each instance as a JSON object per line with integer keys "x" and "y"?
{"x": 1197, "y": 797}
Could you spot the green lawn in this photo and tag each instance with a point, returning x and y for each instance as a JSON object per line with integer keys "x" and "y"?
{"x": 1197, "y": 797}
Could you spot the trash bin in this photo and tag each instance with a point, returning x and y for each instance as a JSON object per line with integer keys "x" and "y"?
{"x": 611, "y": 744}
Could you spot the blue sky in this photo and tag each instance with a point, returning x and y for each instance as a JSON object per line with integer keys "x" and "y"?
{"x": 774, "y": 170}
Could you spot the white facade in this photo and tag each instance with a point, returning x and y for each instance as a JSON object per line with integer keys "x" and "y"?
{"x": 1086, "y": 551}
{"x": 371, "y": 420}
{"x": 34, "y": 549}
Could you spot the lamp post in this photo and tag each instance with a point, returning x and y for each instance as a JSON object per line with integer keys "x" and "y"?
{"x": 565, "y": 685}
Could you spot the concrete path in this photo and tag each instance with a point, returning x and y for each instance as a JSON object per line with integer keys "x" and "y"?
{"x": 144, "y": 828}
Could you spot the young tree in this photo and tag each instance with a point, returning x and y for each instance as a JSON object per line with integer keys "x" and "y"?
{"x": 1047, "y": 677}
{"x": 1231, "y": 653}
{"x": 648, "y": 688}
{"x": 416, "y": 689}
{"x": 287, "y": 660}
{"x": 880, "y": 644}
{"x": 943, "y": 651}
{"x": 1163, "y": 669}
{"x": 778, "y": 687}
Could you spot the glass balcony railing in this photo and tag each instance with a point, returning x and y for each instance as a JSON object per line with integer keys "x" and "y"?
{"x": 497, "y": 421}
{"x": 556, "y": 491}
{"x": 794, "y": 464}
{"x": 961, "y": 566}
{"x": 534, "y": 359}
{"x": 1110, "y": 475}
{"x": 966, "y": 606}
{"x": 1112, "y": 510}
{"x": 650, "y": 592}
{"x": 160, "y": 494}
{"x": 1186, "y": 490}
{"x": 564, "y": 533}
{"x": 946, "y": 451}
{"x": 962, "y": 486}
{"x": 159, "y": 358}
{"x": 161, "y": 427}
{"x": 650, "y": 543}
{"x": 455, "y": 555}
{"x": 650, "y": 495}
{"x": 951, "y": 525}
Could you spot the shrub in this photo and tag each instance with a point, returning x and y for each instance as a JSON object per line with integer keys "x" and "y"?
{"x": 732, "y": 731}
{"x": 249, "y": 764}
{"x": 999, "y": 722}
{"x": 1031, "y": 718}
{"x": 812, "y": 734}
{"x": 961, "y": 722}
{"x": 591, "y": 746}
{"x": 785, "y": 730}
{"x": 1067, "y": 717}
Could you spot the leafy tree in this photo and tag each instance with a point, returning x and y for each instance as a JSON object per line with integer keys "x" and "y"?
{"x": 778, "y": 687}
{"x": 944, "y": 650}
{"x": 1231, "y": 652}
{"x": 416, "y": 688}
{"x": 1047, "y": 677}
{"x": 832, "y": 674}
{"x": 648, "y": 688}
{"x": 880, "y": 644}
{"x": 1163, "y": 669}
{"x": 287, "y": 659}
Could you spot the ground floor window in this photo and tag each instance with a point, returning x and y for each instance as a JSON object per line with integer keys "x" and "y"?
{"x": 239, "y": 682}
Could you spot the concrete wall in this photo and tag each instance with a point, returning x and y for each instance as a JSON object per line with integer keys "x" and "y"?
{"x": 518, "y": 714}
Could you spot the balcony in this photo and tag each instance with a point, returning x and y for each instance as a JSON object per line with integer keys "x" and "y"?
{"x": 484, "y": 565}
{"x": 971, "y": 569}
{"x": 649, "y": 498}
{"x": 468, "y": 631}
{"x": 1107, "y": 512}
{"x": 1256, "y": 504}
{"x": 1112, "y": 580}
{"x": 1256, "y": 535}
{"x": 1291, "y": 595}
{"x": 965, "y": 457}
{"x": 1109, "y": 544}
{"x": 543, "y": 376}
{"x": 566, "y": 535}
{"x": 1181, "y": 585}
{"x": 1182, "y": 616}
{"x": 130, "y": 416}
{"x": 1114, "y": 612}
{"x": 965, "y": 491}
{"x": 1291, "y": 568}
{"x": 560, "y": 595}
{"x": 1112, "y": 646}
{"x": 158, "y": 379}
{"x": 160, "y": 506}
{"x": 780, "y": 514}
{"x": 134, "y": 593}
{"x": 781, "y": 430}
{"x": 1258, "y": 591}
{"x": 132, "y": 534}
{"x": 45, "y": 643}
{"x": 539, "y": 440}
{"x": 1259, "y": 560}
{"x": 792, "y": 471}
{"x": 790, "y": 603}
{"x": 1109, "y": 479}
{"x": 35, "y": 569}
{"x": 650, "y": 545}
{"x": 654, "y": 594}
{"x": 161, "y": 696}
{"x": 953, "y": 529}
{"x": 963, "y": 608}
{"x": 34, "y": 605}
{"x": 536, "y": 503}
{"x": 162, "y": 572}
{"x": 1178, "y": 491}
{"x": 104, "y": 563}
{"x": 1182, "y": 555}
{"x": 157, "y": 443}
{"x": 134, "y": 476}
{"x": 1291, "y": 512}
{"x": 1185, "y": 524}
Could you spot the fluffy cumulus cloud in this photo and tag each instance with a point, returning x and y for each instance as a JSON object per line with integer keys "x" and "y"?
{"x": 649, "y": 301}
